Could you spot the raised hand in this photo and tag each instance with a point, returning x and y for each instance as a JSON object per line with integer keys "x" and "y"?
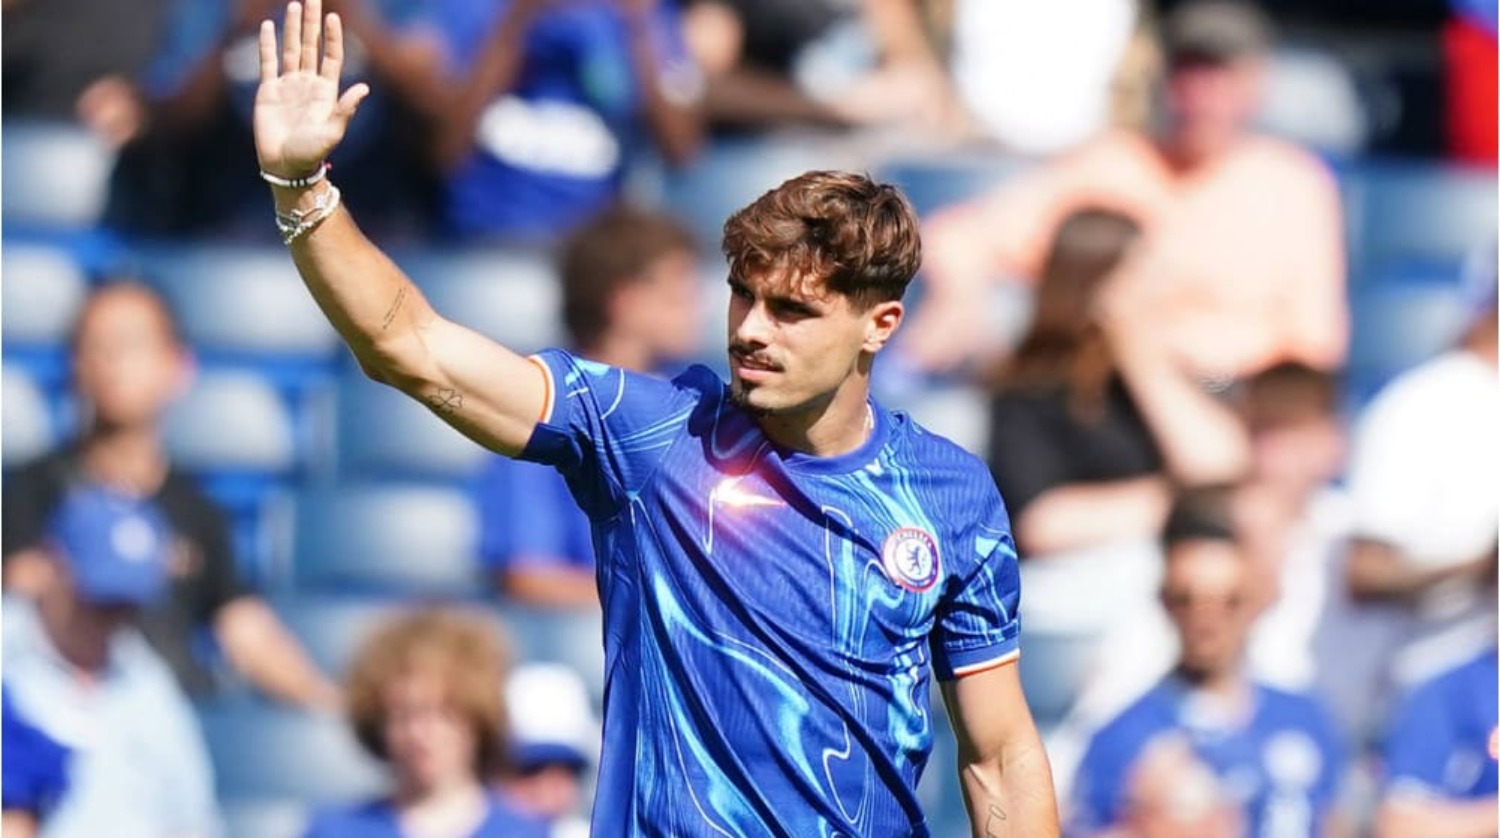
{"x": 299, "y": 115}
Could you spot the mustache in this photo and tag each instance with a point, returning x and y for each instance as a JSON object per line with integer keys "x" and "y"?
{"x": 751, "y": 358}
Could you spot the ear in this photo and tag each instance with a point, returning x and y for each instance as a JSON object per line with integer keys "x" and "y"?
{"x": 187, "y": 372}
{"x": 881, "y": 322}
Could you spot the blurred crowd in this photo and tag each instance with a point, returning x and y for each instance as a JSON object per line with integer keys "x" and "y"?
{"x": 1258, "y": 557}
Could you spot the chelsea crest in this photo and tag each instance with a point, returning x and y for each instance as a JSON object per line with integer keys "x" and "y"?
{"x": 910, "y": 558}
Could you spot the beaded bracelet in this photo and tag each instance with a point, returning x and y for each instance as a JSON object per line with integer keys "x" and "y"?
{"x": 296, "y": 182}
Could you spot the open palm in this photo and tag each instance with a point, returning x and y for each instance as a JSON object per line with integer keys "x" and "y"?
{"x": 299, "y": 114}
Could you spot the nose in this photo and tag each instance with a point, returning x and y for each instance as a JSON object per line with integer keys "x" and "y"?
{"x": 750, "y": 324}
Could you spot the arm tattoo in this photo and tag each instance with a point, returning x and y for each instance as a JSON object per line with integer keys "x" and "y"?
{"x": 993, "y": 821}
{"x": 390, "y": 313}
{"x": 446, "y": 401}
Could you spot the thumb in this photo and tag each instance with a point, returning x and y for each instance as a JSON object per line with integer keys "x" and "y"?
{"x": 349, "y": 102}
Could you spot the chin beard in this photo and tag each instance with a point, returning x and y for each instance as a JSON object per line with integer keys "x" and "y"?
{"x": 740, "y": 396}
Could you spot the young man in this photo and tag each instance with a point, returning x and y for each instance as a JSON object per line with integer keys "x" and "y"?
{"x": 1276, "y": 753}
{"x": 78, "y": 670}
{"x": 784, "y": 562}
{"x": 129, "y": 364}
{"x": 630, "y": 300}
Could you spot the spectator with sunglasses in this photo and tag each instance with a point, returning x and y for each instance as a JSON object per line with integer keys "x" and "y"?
{"x": 1276, "y": 754}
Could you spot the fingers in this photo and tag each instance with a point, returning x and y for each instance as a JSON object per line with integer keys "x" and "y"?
{"x": 349, "y": 102}
{"x": 291, "y": 38}
{"x": 267, "y": 51}
{"x": 333, "y": 49}
{"x": 312, "y": 30}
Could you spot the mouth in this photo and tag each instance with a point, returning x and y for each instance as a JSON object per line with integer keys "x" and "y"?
{"x": 750, "y": 368}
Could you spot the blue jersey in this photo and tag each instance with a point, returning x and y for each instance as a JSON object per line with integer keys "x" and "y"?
{"x": 379, "y": 819}
{"x": 1281, "y": 764}
{"x": 528, "y": 519}
{"x": 772, "y": 619}
{"x": 1443, "y": 739}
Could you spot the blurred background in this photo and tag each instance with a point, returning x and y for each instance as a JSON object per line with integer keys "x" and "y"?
{"x": 1183, "y": 260}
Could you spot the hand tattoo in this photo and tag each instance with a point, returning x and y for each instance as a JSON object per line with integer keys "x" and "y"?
{"x": 446, "y": 401}
{"x": 390, "y": 314}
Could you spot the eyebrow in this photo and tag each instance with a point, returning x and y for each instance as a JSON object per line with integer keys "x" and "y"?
{"x": 784, "y": 301}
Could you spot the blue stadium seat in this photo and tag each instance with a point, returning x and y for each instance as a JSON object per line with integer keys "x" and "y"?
{"x": 28, "y": 428}
{"x": 332, "y": 627}
{"x": 264, "y": 818}
{"x": 1401, "y": 318}
{"x": 42, "y": 293}
{"x": 232, "y": 422}
{"x": 241, "y": 301}
{"x": 1417, "y": 213}
{"x": 932, "y": 184}
{"x": 549, "y": 635}
{"x": 262, "y": 751}
{"x": 731, "y": 174}
{"x": 56, "y": 175}
{"x": 510, "y": 295}
{"x": 387, "y": 538}
{"x": 384, "y": 433}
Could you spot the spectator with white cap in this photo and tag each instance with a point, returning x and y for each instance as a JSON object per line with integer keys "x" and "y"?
{"x": 554, "y": 740}
{"x": 80, "y": 672}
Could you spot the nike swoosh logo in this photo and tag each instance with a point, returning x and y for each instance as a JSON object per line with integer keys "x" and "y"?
{"x": 730, "y": 494}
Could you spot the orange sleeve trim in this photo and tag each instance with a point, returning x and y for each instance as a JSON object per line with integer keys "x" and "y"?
{"x": 547, "y": 391}
{"x": 986, "y": 666}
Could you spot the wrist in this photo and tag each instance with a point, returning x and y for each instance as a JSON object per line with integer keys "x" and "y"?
{"x": 299, "y": 180}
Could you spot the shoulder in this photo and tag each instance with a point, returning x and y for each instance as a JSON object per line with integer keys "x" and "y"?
{"x": 1120, "y": 740}
{"x": 1296, "y": 708}
{"x": 47, "y": 471}
{"x": 183, "y": 498}
{"x": 1288, "y": 162}
{"x": 958, "y": 479}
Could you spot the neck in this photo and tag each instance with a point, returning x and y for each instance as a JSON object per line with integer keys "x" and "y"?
{"x": 453, "y": 807}
{"x": 621, "y": 351}
{"x": 69, "y": 633}
{"x": 130, "y": 458}
{"x": 1225, "y": 682}
{"x": 443, "y": 795}
{"x": 837, "y": 426}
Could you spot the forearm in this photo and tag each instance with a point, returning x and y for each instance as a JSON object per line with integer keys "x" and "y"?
{"x": 1377, "y": 571}
{"x": 262, "y": 650}
{"x": 753, "y": 97}
{"x": 1080, "y": 515}
{"x": 497, "y": 70}
{"x": 1449, "y": 818}
{"x": 551, "y": 587}
{"x": 1011, "y": 795}
{"x": 374, "y": 307}
{"x": 675, "y": 123}
{"x": 1202, "y": 441}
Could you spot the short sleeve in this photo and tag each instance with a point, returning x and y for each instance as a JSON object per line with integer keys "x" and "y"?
{"x": 527, "y": 516}
{"x": 1422, "y": 737}
{"x": 35, "y": 766}
{"x": 201, "y": 522}
{"x": 29, "y": 496}
{"x": 606, "y": 429}
{"x": 978, "y": 623}
{"x": 1024, "y": 456}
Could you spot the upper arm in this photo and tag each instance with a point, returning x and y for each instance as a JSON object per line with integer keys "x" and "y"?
{"x": 489, "y": 393}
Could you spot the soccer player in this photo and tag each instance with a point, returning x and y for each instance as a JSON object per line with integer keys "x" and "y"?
{"x": 783, "y": 563}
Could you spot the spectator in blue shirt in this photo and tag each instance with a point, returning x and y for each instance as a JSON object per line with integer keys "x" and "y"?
{"x": 425, "y": 694}
{"x": 545, "y": 103}
{"x": 78, "y": 671}
{"x": 1276, "y": 754}
{"x": 630, "y": 299}
{"x": 33, "y": 774}
{"x": 1440, "y": 769}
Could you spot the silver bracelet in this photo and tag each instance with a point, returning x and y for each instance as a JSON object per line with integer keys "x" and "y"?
{"x": 294, "y": 224}
{"x": 296, "y": 182}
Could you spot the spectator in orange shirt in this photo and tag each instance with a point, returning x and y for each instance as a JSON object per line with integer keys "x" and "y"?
{"x": 1241, "y": 265}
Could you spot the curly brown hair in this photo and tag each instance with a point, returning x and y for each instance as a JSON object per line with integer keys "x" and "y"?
{"x": 857, "y": 237}
{"x": 466, "y": 652}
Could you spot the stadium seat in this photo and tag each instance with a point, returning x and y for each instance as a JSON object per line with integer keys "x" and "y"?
{"x": 932, "y": 184}
{"x": 56, "y": 175}
{"x": 42, "y": 293}
{"x": 1417, "y": 213}
{"x": 730, "y": 174}
{"x": 264, "y": 818}
{"x": 1401, "y": 318}
{"x": 241, "y": 300}
{"x": 549, "y": 635}
{"x": 28, "y": 429}
{"x": 332, "y": 627}
{"x": 263, "y": 751}
{"x": 387, "y": 538}
{"x": 383, "y": 433}
{"x": 512, "y": 296}
{"x": 232, "y": 422}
